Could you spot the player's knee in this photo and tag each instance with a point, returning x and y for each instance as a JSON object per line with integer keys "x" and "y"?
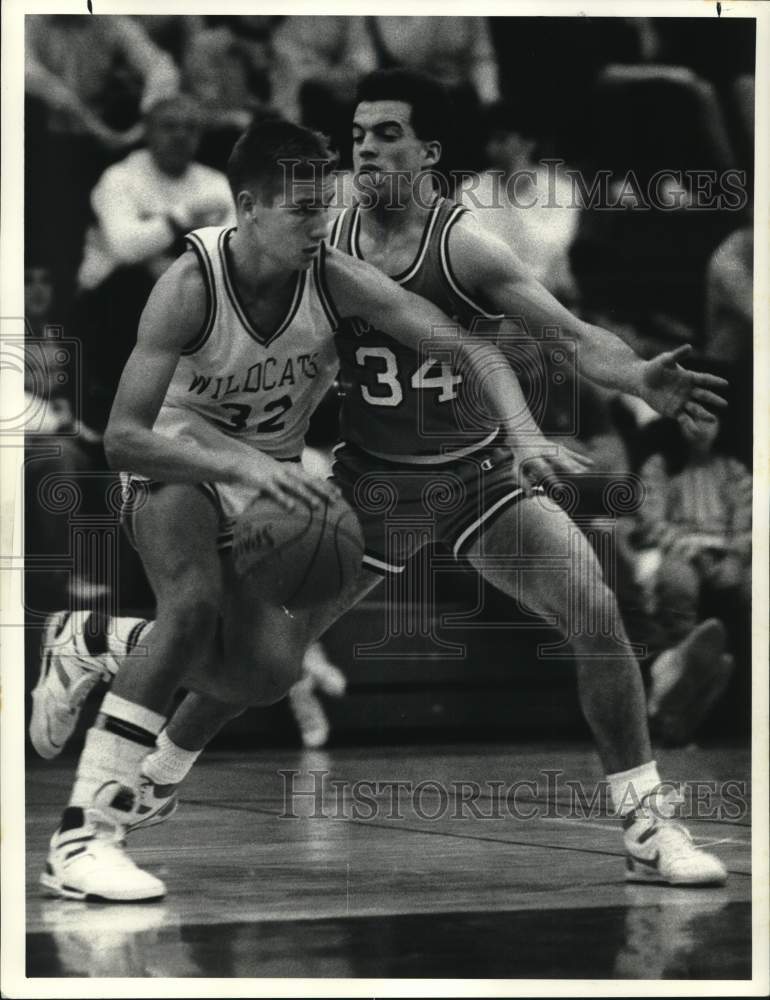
{"x": 193, "y": 606}
{"x": 265, "y": 680}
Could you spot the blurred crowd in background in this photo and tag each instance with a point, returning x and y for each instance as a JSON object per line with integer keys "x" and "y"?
{"x": 129, "y": 124}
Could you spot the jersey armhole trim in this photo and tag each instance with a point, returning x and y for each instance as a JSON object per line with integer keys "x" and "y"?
{"x": 207, "y": 273}
{"x": 337, "y": 228}
{"x": 446, "y": 268}
{"x": 324, "y": 295}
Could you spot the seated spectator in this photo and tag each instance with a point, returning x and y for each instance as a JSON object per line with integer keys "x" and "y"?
{"x": 91, "y": 115}
{"x": 527, "y": 204}
{"x": 699, "y": 520}
{"x": 143, "y": 206}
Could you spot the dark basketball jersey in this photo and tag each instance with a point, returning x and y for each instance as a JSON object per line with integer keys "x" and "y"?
{"x": 396, "y": 404}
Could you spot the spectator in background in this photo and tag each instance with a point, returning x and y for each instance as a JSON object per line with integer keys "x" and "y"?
{"x": 86, "y": 114}
{"x": 229, "y": 67}
{"x": 171, "y": 32}
{"x": 729, "y": 298}
{"x": 699, "y": 520}
{"x": 57, "y": 445}
{"x": 458, "y": 51}
{"x": 319, "y": 61}
{"x": 528, "y": 205}
{"x": 728, "y": 340}
{"x": 143, "y": 206}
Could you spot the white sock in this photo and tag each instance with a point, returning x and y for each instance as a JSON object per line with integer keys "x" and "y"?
{"x": 628, "y": 788}
{"x": 115, "y": 747}
{"x": 169, "y": 764}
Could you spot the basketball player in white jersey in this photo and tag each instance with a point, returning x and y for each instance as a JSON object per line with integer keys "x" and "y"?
{"x": 234, "y": 350}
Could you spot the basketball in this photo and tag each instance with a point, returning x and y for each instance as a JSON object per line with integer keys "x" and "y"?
{"x": 297, "y": 558}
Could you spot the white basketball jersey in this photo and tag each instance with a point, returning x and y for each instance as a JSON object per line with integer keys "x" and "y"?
{"x": 260, "y": 388}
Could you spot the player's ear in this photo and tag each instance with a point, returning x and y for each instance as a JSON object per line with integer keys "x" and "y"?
{"x": 246, "y": 202}
{"x": 432, "y": 153}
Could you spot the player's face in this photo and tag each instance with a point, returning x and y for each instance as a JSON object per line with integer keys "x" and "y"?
{"x": 292, "y": 228}
{"x": 384, "y": 142}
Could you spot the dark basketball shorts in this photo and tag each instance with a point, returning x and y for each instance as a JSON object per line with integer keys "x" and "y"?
{"x": 403, "y": 507}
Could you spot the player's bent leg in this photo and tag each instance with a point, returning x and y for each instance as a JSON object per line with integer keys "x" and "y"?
{"x": 253, "y": 674}
{"x": 569, "y": 578}
{"x": 264, "y": 645}
{"x": 609, "y": 682}
{"x": 176, "y": 533}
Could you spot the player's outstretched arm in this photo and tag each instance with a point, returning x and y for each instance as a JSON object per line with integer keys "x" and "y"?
{"x": 359, "y": 289}
{"x": 493, "y": 273}
{"x": 172, "y": 319}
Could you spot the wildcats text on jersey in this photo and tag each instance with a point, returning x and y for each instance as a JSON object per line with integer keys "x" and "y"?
{"x": 262, "y": 376}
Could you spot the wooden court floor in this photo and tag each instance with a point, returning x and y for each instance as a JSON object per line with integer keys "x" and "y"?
{"x": 470, "y": 861}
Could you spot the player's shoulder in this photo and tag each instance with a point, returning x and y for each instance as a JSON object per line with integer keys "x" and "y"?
{"x": 473, "y": 248}
{"x": 353, "y": 283}
{"x": 178, "y": 303}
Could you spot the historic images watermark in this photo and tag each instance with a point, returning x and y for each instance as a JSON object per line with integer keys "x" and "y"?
{"x": 552, "y": 185}
{"x": 549, "y": 794}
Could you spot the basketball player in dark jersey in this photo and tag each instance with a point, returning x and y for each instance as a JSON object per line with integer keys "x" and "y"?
{"x": 404, "y": 414}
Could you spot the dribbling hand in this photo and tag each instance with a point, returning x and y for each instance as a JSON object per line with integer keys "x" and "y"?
{"x": 288, "y": 482}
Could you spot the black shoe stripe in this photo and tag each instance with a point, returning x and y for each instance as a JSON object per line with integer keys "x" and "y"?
{"x": 651, "y": 863}
{"x": 78, "y": 850}
{"x": 62, "y": 625}
{"x": 645, "y": 835}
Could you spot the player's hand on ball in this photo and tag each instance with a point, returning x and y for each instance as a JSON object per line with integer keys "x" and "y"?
{"x": 687, "y": 396}
{"x": 287, "y": 482}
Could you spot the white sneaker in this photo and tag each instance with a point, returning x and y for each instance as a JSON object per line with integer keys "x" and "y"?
{"x": 66, "y": 679}
{"x": 153, "y": 804}
{"x": 661, "y": 850}
{"x": 87, "y": 861}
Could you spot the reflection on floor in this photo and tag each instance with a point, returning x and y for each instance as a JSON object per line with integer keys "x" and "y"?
{"x": 472, "y": 862}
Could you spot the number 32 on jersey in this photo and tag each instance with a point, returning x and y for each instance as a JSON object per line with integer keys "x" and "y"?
{"x": 386, "y": 389}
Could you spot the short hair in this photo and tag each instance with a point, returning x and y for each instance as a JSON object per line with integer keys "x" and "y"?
{"x": 256, "y": 159}
{"x": 426, "y": 96}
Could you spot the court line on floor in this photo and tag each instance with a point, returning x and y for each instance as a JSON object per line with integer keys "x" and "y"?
{"x": 605, "y": 827}
{"x": 444, "y": 833}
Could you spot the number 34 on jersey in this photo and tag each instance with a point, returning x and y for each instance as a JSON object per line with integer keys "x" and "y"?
{"x": 381, "y": 385}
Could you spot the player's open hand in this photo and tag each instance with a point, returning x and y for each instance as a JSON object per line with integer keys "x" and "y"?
{"x": 687, "y": 396}
{"x": 288, "y": 482}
